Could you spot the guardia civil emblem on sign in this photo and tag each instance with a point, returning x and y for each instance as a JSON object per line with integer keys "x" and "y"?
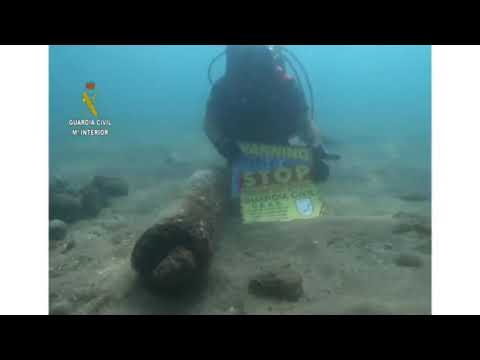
{"x": 304, "y": 207}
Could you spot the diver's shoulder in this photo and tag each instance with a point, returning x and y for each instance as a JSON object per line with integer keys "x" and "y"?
{"x": 219, "y": 84}
{"x": 291, "y": 86}
{"x": 220, "y": 88}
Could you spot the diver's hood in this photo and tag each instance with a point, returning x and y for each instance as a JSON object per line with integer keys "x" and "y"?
{"x": 254, "y": 62}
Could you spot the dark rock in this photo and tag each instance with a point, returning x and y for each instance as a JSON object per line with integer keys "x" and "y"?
{"x": 421, "y": 229}
{"x": 57, "y": 185}
{"x": 402, "y": 228}
{"x": 111, "y": 186}
{"x": 412, "y": 223}
{"x": 414, "y": 197}
{"x": 69, "y": 245}
{"x": 407, "y": 260}
{"x": 403, "y": 215}
{"x": 65, "y": 207}
{"x": 368, "y": 309}
{"x": 93, "y": 200}
{"x": 70, "y": 205}
{"x": 425, "y": 248}
{"x": 239, "y": 308}
{"x": 57, "y": 229}
{"x": 406, "y": 216}
{"x": 281, "y": 283}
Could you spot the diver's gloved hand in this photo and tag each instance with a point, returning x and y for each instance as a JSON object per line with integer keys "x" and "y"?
{"x": 320, "y": 170}
{"x": 320, "y": 152}
{"x": 229, "y": 149}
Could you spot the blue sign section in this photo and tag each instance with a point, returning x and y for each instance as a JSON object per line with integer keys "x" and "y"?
{"x": 252, "y": 163}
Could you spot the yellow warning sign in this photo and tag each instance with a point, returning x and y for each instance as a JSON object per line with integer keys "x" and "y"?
{"x": 281, "y": 203}
{"x": 274, "y": 184}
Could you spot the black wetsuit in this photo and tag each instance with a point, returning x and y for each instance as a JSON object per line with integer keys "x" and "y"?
{"x": 269, "y": 113}
{"x": 256, "y": 101}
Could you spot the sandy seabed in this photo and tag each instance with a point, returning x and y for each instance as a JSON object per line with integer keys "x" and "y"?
{"x": 353, "y": 261}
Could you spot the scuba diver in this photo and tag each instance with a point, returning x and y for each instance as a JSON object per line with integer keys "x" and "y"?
{"x": 257, "y": 101}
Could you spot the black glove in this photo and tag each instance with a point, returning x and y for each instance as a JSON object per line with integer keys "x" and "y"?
{"x": 320, "y": 170}
{"x": 320, "y": 152}
{"x": 229, "y": 149}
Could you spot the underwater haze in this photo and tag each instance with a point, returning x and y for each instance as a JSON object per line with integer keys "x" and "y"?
{"x": 369, "y": 254}
{"x": 153, "y": 92}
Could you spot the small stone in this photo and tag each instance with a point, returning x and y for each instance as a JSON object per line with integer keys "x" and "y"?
{"x": 420, "y": 228}
{"x": 93, "y": 201}
{"x": 283, "y": 283}
{"x": 249, "y": 253}
{"x": 65, "y": 207}
{"x": 408, "y": 260}
{"x": 402, "y": 228}
{"x": 423, "y": 229}
{"x": 368, "y": 309}
{"x": 59, "y": 185}
{"x": 69, "y": 245}
{"x": 414, "y": 197}
{"x": 57, "y": 229}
